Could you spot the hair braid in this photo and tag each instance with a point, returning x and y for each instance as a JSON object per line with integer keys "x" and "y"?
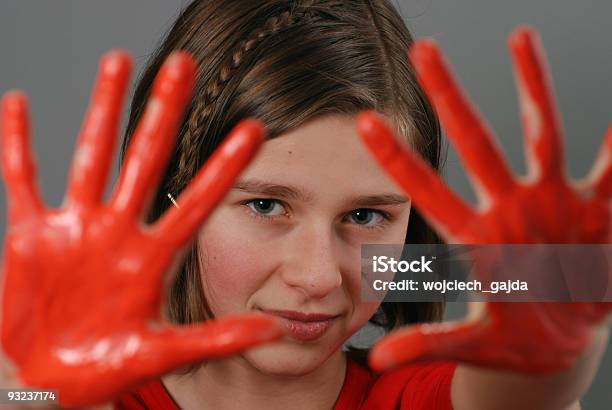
{"x": 188, "y": 160}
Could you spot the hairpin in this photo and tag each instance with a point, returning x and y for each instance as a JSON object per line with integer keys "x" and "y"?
{"x": 173, "y": 201}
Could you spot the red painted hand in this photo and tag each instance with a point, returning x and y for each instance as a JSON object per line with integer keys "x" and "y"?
{"x": 542, "y": 208}
{"x": 84, "y": 284}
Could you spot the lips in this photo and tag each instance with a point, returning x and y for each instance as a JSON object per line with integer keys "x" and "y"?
{"x": 303, "y": 326}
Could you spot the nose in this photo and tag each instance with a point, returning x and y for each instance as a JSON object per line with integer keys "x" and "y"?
{"x": 311, "y": 264}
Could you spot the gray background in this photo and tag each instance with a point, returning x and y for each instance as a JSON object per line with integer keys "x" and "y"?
{"x": 51, "y": 48}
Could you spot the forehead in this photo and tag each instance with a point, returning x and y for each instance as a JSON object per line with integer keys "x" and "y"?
{"x": 324, "y": 156}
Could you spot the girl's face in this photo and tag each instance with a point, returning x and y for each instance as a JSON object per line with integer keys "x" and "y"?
{"x": 286, "y": 240}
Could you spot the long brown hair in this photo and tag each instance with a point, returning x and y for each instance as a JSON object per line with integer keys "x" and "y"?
{"x": 287, "y": 62}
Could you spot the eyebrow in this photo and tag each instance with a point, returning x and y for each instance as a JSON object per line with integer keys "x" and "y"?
{"x": 255, "y": 186}
{"x": 290, "y": 192}
{"x": 379, "y": 200}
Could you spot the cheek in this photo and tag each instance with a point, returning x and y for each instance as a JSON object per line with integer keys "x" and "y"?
{"x": 232, "y": 269}
{"x": 361, "y": 311}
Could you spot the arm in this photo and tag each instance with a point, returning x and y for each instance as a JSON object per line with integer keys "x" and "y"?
{"x": 475, "y": 388}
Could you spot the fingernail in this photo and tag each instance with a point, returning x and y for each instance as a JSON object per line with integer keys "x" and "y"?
{"x": 378, "y": 137}
{"x": 116, "y": 62}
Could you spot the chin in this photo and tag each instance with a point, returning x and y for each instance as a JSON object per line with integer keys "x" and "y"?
{"x": 290, "y": 358}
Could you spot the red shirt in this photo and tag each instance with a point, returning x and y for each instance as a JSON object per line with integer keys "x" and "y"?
{"x": 414, "y": 387}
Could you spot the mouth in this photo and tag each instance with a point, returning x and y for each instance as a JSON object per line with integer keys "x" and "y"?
{"x": 302, "y": 326}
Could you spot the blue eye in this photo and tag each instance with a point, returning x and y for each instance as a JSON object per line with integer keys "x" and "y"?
{"x": 266, "y": 207}
{"x": 368, "y": 218}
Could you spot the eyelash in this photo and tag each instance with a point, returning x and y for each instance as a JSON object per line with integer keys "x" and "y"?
{"x": 254, "y": 214}
{"x": 258, "y": 215}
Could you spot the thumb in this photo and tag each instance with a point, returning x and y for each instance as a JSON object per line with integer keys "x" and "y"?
{"x": 175, "y": 347}
{"x": 430, "y": 341}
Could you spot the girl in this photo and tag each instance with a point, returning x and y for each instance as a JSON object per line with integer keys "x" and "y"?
{"x": 282, "y": 247}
